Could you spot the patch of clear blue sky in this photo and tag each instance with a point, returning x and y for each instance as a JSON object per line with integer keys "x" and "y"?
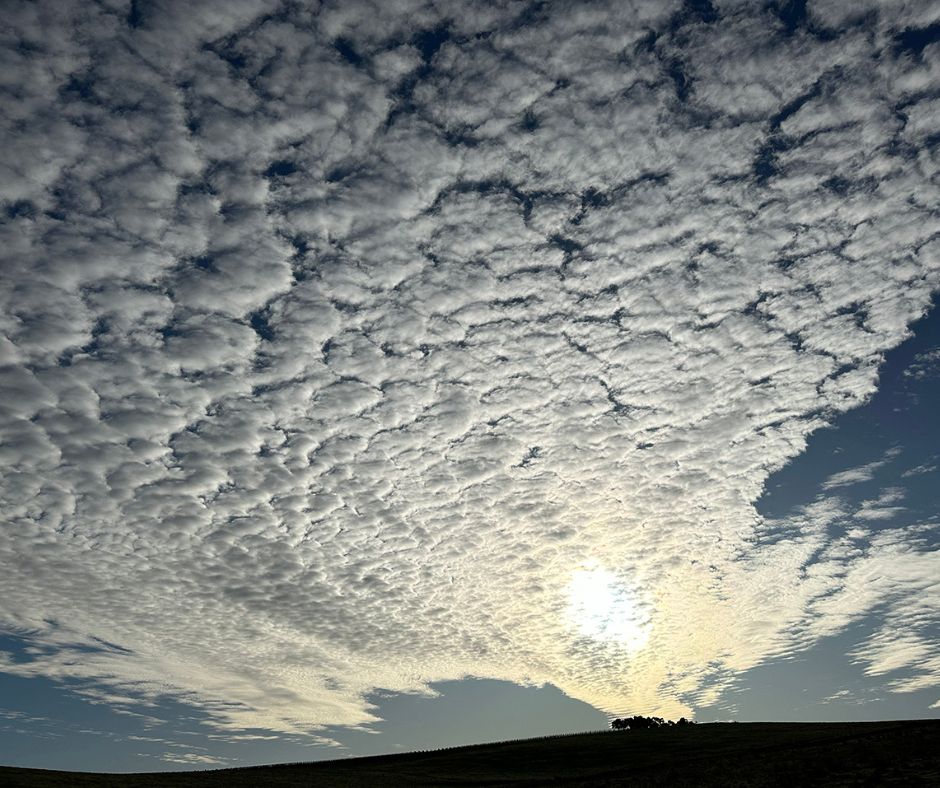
{"x": 44, "y": 724}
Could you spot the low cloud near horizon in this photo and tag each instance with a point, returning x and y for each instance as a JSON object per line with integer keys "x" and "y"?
{"x": 344, "y": 343}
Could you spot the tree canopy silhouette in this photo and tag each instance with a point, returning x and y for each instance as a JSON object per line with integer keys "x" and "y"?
{"x": 640, "y": 723}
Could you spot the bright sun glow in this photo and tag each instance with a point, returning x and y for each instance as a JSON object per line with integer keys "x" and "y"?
{"x": 604, "y": 609}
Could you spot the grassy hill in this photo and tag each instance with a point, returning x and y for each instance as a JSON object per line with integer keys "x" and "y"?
{"x": 721, "y": 754}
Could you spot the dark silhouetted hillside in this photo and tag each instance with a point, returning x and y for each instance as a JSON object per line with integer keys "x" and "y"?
{"x": 720, "y": 754}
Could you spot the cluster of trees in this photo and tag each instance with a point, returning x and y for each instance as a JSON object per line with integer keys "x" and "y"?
{"x": 638, "y": 723}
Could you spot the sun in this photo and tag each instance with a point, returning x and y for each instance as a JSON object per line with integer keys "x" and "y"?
{"x": 604, "y": 608}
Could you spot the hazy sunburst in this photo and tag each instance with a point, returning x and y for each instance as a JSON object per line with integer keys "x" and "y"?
{"x": 603, "y": 607}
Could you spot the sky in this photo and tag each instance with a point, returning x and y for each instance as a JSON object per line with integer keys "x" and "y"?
{"x": 399, "y": 375}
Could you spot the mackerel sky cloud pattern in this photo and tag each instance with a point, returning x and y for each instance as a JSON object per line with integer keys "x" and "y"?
{"x": 341, "y": 341}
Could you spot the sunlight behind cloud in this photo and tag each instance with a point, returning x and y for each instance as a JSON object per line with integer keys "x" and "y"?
{"x": 605, "y": 609}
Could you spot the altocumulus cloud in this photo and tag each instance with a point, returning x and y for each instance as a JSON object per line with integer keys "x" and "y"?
{"x": 339, "y": 338}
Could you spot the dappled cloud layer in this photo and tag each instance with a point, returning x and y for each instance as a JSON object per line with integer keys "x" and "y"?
{"x": 351, "y": 346}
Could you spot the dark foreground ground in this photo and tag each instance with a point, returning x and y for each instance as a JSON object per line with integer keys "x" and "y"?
{"x": 721, "y": 754}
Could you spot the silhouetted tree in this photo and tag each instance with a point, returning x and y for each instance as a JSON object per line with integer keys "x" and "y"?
{"x": 639, "y": 722}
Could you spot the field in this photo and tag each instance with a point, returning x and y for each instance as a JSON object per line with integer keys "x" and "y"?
{"x": 720, "y": 754}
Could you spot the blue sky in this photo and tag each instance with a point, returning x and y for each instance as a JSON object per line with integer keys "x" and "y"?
{"x": 349, "y": 352}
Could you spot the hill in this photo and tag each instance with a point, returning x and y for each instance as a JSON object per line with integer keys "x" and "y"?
{"x": 727, "y": 754}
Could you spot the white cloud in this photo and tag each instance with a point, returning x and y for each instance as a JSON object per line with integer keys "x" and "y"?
{"x": 924, "y": 365}
{"x": 192, "y": 758}
{"x": 327, "y": 371}
{"x": 919, "y": 469}
{"x": 862, "y": 473}
{"x": 880, "y": 508}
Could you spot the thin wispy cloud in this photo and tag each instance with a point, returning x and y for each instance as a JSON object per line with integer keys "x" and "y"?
{"x": 924, "y": 365}
{"x": 882, "y": 508}
{"x": 859, "y": 474}
{"x": 338, "y": 341}
{"x": 919, "y": 470}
